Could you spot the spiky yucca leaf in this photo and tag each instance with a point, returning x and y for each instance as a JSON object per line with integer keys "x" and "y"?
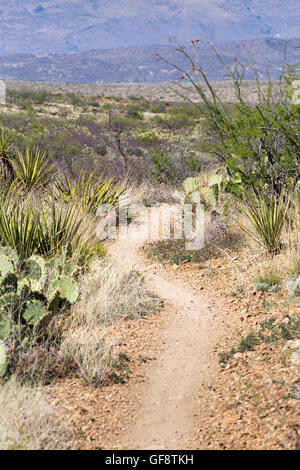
{"x": 33, "y": 170}
{"x": 17, "y": 228}
{"x": 44, "y": 231}
{"x": 60, "y": 226}
{"x": 90, "y": 192}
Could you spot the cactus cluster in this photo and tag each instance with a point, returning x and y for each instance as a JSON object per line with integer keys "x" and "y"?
{"x": 208, "y": 195}
{"x": 30, "y": 291}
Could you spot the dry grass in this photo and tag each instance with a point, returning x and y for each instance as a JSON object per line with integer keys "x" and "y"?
{"x": 150, "y": 191}
{"x": 93, "y": 352}
{"x": 27, "y": 421}
{"x": 109, "y": 292}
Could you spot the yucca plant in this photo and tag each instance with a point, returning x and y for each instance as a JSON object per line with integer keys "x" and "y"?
{"x": 8, "y": 188}
{"x": 90, "y": 193}
{"x": 266, "y": 216}
{"x": 45, "y": 230}
{"x": 60, "y": 225}
{"x": 33, "y": 170}
{"x": 17, "y": 228}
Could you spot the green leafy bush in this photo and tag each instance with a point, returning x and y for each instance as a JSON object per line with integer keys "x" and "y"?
{"x": 164, "y": 168}
{"x": 267, "y": 157}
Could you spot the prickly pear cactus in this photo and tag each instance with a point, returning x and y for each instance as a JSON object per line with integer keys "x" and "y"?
{"x": 30, "y": 293}
{"x": 9, "y": 283}
{"x": 34, "y": 269}
{"x": 70, "y": 268}
{"x": 53, "y": 263}
{"x": 34, "y": 312}
{"x": 6, "y": 265}
{"x": 3, "y": 360}
{"x": 192, "y": 194}
{"x": 10, "y": 303}
{"x": 64, "y": 288}
{"x": 13, "y": 255}
{"x": 190, "y": 185}
{"x": 209, "y": 197}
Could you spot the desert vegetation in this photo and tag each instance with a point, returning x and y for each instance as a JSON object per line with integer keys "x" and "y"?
{"x": 64, "y": 155}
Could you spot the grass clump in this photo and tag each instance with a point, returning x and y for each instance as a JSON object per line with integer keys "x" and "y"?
{"x": 111, "y": 291}
{"x": 28, "y": 421}
{"x": 269, "y": 279}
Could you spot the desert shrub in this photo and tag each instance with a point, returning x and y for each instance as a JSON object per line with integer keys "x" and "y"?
{"x": 268, "y": 156}
{"x": 28, "y": 421}
{"x": 269, "y": 278}
{"x": 266, "y": 216}
{"x": 164, "y": 168}
{"x": 97, "y": 358}
{"x": 40, "y": 362}
{"x": 111, "y": 291}
{"x": 270, "y": 331}
{"x": 26, "y": 97}
{"x": 133, "y": 112}
{"x": 219, "y": 239}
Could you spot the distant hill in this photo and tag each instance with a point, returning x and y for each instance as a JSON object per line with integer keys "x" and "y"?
{"x": 138, "y": 64}
{"x": 52, "y": 26}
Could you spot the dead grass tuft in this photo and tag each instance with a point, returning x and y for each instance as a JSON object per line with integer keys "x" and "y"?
{"x": 28, "y": 422}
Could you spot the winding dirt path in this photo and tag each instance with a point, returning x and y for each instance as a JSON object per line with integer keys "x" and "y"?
{"x": 169, "y": 398}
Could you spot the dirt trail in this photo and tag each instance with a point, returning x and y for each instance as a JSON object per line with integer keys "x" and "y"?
{"x": 165, "y": 416}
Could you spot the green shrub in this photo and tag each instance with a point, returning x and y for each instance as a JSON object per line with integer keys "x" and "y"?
{"x": 267, "y": 157}
{"x": 164, "y": 168}
{"x": 270, "y": 277}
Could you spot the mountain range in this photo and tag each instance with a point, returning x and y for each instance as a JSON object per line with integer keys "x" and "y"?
{"x": 53, "y": 26}
{"x": 140, "y": 64}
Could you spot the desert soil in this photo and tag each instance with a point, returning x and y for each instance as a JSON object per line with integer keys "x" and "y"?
{"x": 178, "y": 396}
